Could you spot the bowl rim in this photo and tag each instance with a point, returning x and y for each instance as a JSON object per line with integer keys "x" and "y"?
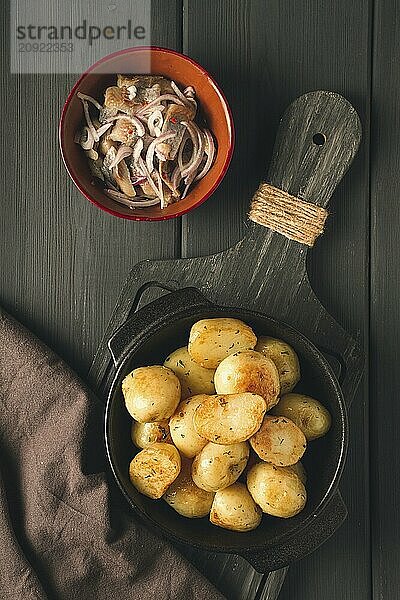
{"x": 135, "y": 217}
{"x": 280, "y": 539}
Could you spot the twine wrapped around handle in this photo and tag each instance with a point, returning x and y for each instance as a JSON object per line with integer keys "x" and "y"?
{"x": 292, "y": 217}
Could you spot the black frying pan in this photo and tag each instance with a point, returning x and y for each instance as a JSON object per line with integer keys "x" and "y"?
{"x": 265, "y": 272}
{"x": 147, "y": 338}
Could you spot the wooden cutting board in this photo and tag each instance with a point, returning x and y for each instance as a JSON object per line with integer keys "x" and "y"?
{"x": 316, "y": 142}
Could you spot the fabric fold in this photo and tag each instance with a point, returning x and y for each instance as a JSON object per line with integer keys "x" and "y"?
{"x": 65, "y": 530}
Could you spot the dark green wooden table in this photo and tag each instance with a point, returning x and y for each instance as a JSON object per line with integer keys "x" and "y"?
{"x": 63, "y": 261}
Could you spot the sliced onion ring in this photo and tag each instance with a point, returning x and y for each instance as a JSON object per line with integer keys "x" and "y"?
{"x": 122, "y": 199}
{"x": 152, "y": 147}
{"x": 123, "y": 152}
{"x": 155, "y": 123}
{"x": 176, "y": 177}
{"x": 210, "y": 151}
{"x": 149, "y": 109}
{"x": 188, "y": 182}
{"x": 137, "y": 149}
{"x": 169, "y": 97}
{"x": 145, "y": 171}
{"x": 197, "y": 155}
{"x": 89, "y": 120}
{"x": 185, "y": 138}
{"x": 180, "y": 95}
{"x": 89, "y": 99}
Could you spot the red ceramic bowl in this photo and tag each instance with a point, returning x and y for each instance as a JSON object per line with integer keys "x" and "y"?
{"x": 160, "y": 61}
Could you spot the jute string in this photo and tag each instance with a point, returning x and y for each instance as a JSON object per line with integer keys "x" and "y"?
{"x": 294, "y": 218}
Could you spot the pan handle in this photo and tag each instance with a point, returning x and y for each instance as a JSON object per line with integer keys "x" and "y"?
{"x": 150, "y": 316}
{"x": 318, "y": 137}
{"x": 323, "y": 526}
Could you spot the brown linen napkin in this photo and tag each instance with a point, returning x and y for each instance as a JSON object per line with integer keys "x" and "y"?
{"x": 64, "y": 531}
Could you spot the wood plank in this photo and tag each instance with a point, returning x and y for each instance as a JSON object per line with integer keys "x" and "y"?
{"x": 264, "y": 54}
{"x": 63, "y": 260}
{"x": 385, "y": 298}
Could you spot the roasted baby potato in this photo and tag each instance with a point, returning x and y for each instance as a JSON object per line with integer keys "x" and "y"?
{"x": 234, "y": 508}
{"x": 248, "y": 371}
{"x": 151, "y": 393}
{"x": 230, "y": 418}
{"x": 279, "y": 441}
{"x": 183, "y": 433}
{"x": 218, "y": 466}
{"x": 186, "y": 498}
{"x": 194, "y": 378}
{"x": 284, "y": 358}
{"x": 277, "y": 490}
{"x": 153, "y": 469}
{"x": 307, "y": 413}
{"x": 212, "y": 340}
{"x": 300, "y": 471}
{"x": 144, "y": 434}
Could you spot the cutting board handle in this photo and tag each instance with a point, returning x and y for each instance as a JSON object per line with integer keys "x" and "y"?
{"x": 317, "y": 139}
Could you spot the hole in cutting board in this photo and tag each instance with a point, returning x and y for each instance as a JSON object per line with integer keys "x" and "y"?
{"x": 319, "y": 139}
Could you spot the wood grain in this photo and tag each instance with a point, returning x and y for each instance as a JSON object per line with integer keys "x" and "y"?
{"x": 264, "y": 54}
{"x": 385, "y": 298}
{"x": 63, "y": 260}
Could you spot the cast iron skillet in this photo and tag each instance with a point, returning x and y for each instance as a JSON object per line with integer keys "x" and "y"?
{"x": 147, "y": 338}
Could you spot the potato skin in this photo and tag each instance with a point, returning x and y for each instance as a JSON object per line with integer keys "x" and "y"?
{"x": 145, "y": 434}
{"x": 218, "y": 466}
{"x": 151, "y": 393}
{"x": 253, "y": 460}
{"x": 279, "y": 441}
{"x": 284, "y": 358}
{"x": 299, "y": 470}
{"x": 307, "y": 413}
{"x": 212, "y": 340}
{"x": 194, "y": 378}
{"x": 229, "y": 419}
{"x": 154, "y": 468}
{"x": 183, "y": 432}
{"x": 234, "y": 508}
{"x": 277, "y": 490}
{"x": 248, "y": 371}
{"x": 186, "y": 498}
